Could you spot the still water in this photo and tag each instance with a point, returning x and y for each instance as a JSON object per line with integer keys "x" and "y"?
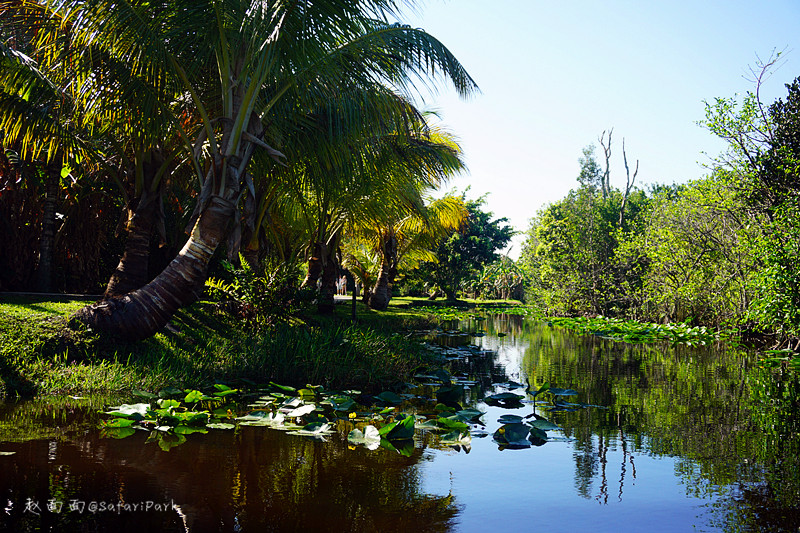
{"x": 686, "y": 440}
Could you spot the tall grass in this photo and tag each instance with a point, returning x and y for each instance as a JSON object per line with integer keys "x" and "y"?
{"x": 40, "y": 355}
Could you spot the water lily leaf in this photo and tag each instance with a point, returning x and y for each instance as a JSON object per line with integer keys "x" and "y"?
{"x": 165, "y": 403}
{"x": 469, "y": 415}
{"x": 220, "y": 387}
{"x": 267, "y": 419}
{"x": 316, "y": 428}
{"x": 188, "y": 430}
{"x": 341, "y": 403}
{"x": 167, "y": 441}
{"x": 537, "y": 434}
{"x": 7, "y": 453}
{"x": 513, "y": 435}
{"x": 145, "y": 394}
{"x": 510, "y": 419}
{"x": 220, "y": 425}
{"x": 302, "y": 410}
{"x": 544, "y": 425}
{"x": 292, "y": 402}
{"x": 427, "y": 424}
{"x": 450, "y": 394}
{"x": 136, "y": 411}
{"x": 563, "y": 392}
{"x": 404, "y": 447}
{"x": 291, "y": 391}
{"x": 370, "y": 437}
{"x": 223, "y": 393}
{"x": 504, "y": 399}
{"x": 118, "y": 423}
{"x": 194, "y": 396}
{"x": 442, "y": 375}
{"x": 401, "y": 429}
{"x": 169, "y": 391}
{"x": 543, "y": 388}
{"x": 451, "y": 423}
{"x": 511, "y": 385}
{"x": 389, "y": 398}
{"x": 455, "y": 438}
{"x": 116, "y": 433}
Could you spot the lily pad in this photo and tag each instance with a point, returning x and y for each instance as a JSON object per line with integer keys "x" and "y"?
{"x": 7, "y": 453}
{"x": 401, "y": 429}
{"x": 389, "y": 398}
{"x": 116, "y": 433}
{"x": 469, "y": 415}
{"x": 510, "y": 419}
{"x": 370, "y": 437}
{"x": 220, "y": 425}
{"x": 513, "y": 436}
{"x": 302, "y": 410}
{"x": 544, "y": 425}
{"x": 136, "y": 411}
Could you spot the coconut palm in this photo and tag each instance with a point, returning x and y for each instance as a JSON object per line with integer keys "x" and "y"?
{"x": 238, "y": 69}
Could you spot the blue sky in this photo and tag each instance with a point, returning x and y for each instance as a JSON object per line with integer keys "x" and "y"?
{"x": 555, "y": 75}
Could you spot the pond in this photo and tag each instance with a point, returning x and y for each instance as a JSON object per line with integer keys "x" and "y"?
{"x": 674, "y": 439}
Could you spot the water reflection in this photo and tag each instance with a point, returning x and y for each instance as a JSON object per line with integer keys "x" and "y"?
{"x": 253, "y": 480}
{"x": 690, "y": 439}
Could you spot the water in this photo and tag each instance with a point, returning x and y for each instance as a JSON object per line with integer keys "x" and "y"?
{"x": 691, "y": 440}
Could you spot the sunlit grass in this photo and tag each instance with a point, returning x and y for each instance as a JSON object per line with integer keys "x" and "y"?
{"x": 39, "y": 354}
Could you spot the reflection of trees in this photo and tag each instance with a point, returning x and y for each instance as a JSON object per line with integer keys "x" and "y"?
{"x": 253, "y": 479}
{"x": 736, "y": 428}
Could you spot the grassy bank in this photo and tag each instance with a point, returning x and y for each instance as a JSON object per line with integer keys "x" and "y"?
{"x": 40, "y": 355}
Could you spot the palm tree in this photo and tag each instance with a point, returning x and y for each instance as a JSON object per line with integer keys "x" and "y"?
{"x": 238, "y": 69}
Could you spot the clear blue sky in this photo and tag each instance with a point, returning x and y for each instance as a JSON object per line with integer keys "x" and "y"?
{"x": 555, "y": 75}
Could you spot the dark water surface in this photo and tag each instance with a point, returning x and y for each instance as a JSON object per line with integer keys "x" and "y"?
{"x": 691, "y": 440}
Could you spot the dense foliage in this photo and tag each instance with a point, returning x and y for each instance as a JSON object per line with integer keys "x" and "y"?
{"x": 464, "y": 256}
{"x": 719, "y": 251}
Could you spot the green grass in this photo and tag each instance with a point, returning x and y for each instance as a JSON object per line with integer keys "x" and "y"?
{"x": 40, "y": 355}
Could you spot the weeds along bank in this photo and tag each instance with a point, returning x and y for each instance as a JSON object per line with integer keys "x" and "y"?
{"x": 40, "y": 355}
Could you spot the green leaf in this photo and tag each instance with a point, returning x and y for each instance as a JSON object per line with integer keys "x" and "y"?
{"x": 167, "y": 441}
{"x": 116, "y": 433}
{"x": 450, "y": 394}
{"x": 166, "y": 404}
{"x": 451, "y": 423}
{"x": 513, "y": 435}
{"x": 136, "y": 411}
{"x": 370, "y": 437}
{"x": 469, "y": 415}
{"x": 220, "y": 425}
{"x": 545, "y": 425}
{"x": 510, "y": 419}
{"x": 118, "y": 423}
{"x": 302, "y": 410}
{"x": 7, "y": 453}
{"x": 389, "y": 398}
{"x": 402, "y": 429}
{"x": 404, "y": 447}
{"x": 188, "y": 430}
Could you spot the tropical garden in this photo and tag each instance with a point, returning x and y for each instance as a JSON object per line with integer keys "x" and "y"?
{"x": 232, "y": 216}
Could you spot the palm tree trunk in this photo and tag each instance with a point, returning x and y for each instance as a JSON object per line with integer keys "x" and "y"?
{"x": 44, "y": 271}
{"x": 330, "y": 273}
{"x": 381, "y": 294}
{"x": 315, "y": 266}
{"x": 132, "y": 271}
{"x": 143, "y": 312}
